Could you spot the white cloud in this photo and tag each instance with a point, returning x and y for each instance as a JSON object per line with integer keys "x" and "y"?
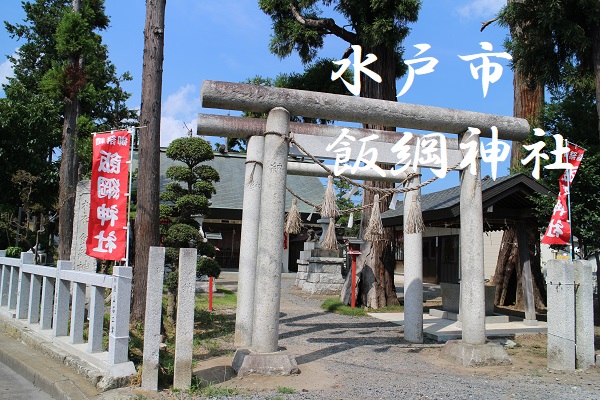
{"x": 178, "y": 110}
{"x": 480, "y": 9}
{"x": 185, "y": 101}
{"x": 172, "y": 128}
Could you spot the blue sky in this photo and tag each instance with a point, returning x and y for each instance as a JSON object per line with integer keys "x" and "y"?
{"x": 228, "y": 40}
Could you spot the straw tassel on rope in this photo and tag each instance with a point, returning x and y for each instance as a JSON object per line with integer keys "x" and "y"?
{"x": 293, "y": 222}
{"x": 374, "y": 231}
{"x": 414, "y": 221}
{"x": 330, "y": 240}
{"x": 329, "y": 207}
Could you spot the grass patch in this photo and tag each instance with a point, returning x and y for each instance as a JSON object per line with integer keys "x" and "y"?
{"x": 223, "y": 299}
{"x": 285, "y": 390}
{"x": 397, "y": 308}
{"x": 335, "y": 305}
{"x": 200, "y": 387}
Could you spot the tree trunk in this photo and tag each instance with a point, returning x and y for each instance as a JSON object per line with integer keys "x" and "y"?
{"x": 146, "y": 221}
{"x": 596, "y": 61}
{"x": 507, "y": 277}
{"x": 69, "y": 160}
{"x": 377, "y": 262}
{"x": 528, "y": 102}
{"x": 170, "y": 312}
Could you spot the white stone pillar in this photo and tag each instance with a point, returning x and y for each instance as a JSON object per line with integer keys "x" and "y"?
{"x": 154, "y": 289}
{"x": 561, "y": 315}
{"x": 413, "y": 269}
{"x": 584, "y": 314}
{"x": 249, "y": 242}
{"x": 184, "y": 332}
{"x": 472, "y": 292}
{"x": 265, "y": 334}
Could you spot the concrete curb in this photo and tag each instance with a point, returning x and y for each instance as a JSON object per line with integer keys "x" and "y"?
{"x": 45, "y": 348}
{"x": 53, "y": 378}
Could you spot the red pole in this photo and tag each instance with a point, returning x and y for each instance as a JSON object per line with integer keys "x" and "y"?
{"x": 353, "y": 300}
{"x": 210, "y": 293}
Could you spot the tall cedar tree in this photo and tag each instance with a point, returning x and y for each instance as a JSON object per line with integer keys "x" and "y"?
{"x": 73, "y": 40}
{"x": 528, "y": 102}
{"x": 551, "y": 43}
{"x": 553, "y": 35}
{"x": 45, "y": 82}
{"x": 147, "y": 215}
{"x": 379, "y": 27}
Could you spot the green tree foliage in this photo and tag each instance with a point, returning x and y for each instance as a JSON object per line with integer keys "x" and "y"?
{"x": 299, "y": 26}
{"x": 187, "y": 196}
{"x": 572, "y": 114}
{"x": 32, "y": 111}
{"x": 341, "y": 189}
{"x": 556, "y": 38}
{"x": 558, "y": 45}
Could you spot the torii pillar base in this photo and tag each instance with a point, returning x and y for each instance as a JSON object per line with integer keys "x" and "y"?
{"x": 281, "y": 363}
{"x": 475, "y": 355}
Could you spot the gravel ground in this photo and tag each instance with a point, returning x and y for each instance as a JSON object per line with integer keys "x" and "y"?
{"x": 342, "y": 357}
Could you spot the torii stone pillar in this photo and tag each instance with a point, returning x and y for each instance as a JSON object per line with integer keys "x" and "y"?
{"x": 413, "y": 269}
{"x": 472, "y": 349}
{"x": 263, "y": 357}
{"x": 249, "y": 242}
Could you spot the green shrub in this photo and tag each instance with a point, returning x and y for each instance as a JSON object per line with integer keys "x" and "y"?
{"x": 207, "y": 266}
{"x": 206, "y": 249}
{"x": 171, "y": 281}
{"x": 13, "y": 252}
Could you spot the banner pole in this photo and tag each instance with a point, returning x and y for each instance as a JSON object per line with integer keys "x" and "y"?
{"x": 571, "y": 253}
{"x": 129, "y": 197}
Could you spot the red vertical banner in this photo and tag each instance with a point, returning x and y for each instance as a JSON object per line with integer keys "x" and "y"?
{"x": 107, "y": 226}
{"x": 559, "y": 229}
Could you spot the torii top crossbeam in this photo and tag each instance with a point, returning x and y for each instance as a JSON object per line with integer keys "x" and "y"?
{"x": 245, "y": 97}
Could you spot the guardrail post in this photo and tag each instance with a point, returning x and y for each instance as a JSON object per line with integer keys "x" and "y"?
{"x": 118, "y": 337}
{"x": 33, "y": 316}
{"x": 48, "y": 285}
{"x": 61, "y": 303}
{"x": 4, "y": 280}
{"x": 24, "y": 286}
{"x": 13, "y": 287}
{"x": 96, "y": 318}
{"x": 77, "y": 313}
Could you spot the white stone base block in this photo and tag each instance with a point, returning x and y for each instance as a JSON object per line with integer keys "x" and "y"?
{"x": 475, "y": 355}
{"x": 246, "y": 362}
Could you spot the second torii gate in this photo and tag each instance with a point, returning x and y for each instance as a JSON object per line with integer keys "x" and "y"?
{"x": 257, "y": 319}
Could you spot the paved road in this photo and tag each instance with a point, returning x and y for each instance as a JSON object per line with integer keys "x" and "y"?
{"x": 14, "y": 387}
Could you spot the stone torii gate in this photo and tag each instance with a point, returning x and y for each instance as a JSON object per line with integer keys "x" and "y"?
{"x": 257, "y": 319}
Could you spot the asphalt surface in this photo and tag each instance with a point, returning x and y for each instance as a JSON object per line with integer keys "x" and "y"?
{"x": 14, "y": 387}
